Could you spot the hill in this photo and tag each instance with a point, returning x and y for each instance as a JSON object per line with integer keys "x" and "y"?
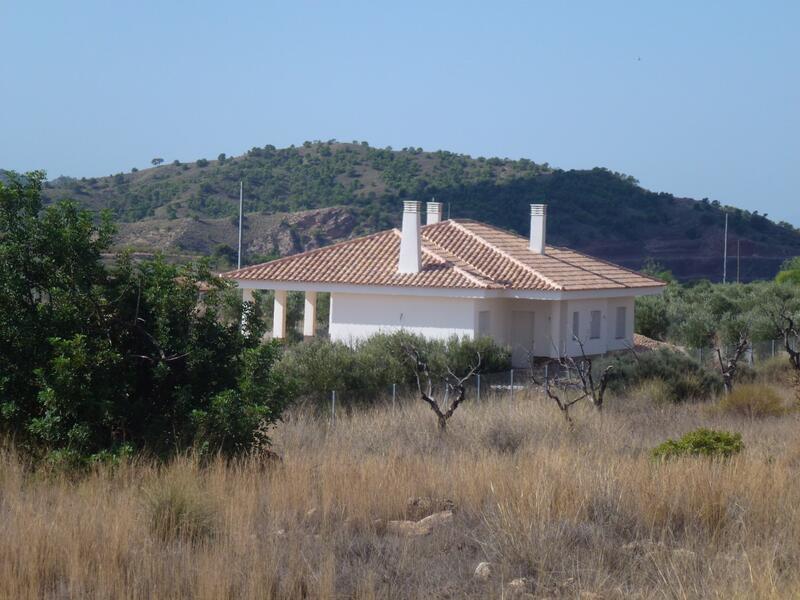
{"x": 345, "y": 189}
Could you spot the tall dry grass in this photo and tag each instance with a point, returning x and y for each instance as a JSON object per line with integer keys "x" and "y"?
{"x": 574, "y": 512}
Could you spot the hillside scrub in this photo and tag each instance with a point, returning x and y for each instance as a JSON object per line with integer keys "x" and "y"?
{"x": 581, "y": 513}
{"x": 99, "y": 361}
{"x": 596, "y": 207}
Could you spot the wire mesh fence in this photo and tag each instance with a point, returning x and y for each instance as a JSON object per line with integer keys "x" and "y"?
{"x": 510, "y": 384}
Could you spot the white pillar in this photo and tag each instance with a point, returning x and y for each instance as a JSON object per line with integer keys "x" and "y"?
{"x": 556, "y": 345}
{"x": 279, "y": 315}
{"x": 310, "y": 315}
{"x": 247, "y": 296}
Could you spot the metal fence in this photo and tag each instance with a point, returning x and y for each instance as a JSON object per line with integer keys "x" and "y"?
{"x": 515, "y": 383}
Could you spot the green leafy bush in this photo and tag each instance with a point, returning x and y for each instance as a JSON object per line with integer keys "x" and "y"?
{"x": 753, "y": 401}
{"x": 701, "y": 442}
{"x": 684, "y": 378}
{"x": 371, "y": 366}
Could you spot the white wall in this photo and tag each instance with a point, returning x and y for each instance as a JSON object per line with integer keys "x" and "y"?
{"x": 358, "y": 316}
{"x": 607, "y": 340}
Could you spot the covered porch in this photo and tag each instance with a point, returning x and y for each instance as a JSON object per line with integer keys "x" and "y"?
{"x": 281, "y": 318}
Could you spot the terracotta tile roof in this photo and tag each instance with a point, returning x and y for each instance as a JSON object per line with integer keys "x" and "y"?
{"x": 455, "y": 254}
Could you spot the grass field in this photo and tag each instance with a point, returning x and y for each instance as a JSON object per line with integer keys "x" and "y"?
{"x": 584, "y": 513}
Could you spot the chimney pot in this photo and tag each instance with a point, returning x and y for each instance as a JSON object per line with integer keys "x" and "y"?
{"x": 410, "y": 241}
{"x": 538, "y": 228}
{"x": 434, "y": 213}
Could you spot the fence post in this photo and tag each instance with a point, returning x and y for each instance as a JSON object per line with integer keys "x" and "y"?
{"x": 773, "y": 348}
{"x": 511, "y": 387}
{"x": 394, "y": 395}
{"x": 701, "y": 355}
{"x": 478, "y": 384}
{"x": 333, "y": 406}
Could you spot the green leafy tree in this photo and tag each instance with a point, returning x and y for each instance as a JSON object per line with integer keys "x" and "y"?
{"x": 156, "y": 161}
{"x": 790, "y": 272}
{"x": 96, "y": 361}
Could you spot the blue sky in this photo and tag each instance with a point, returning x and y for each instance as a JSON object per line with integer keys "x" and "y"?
{"x": 695, "y": 98}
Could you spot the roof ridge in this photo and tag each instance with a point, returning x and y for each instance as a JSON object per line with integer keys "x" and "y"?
{"x": 506, "y": 255}
{"x": 482, "y": 273}
{"x": 461, "y": 271}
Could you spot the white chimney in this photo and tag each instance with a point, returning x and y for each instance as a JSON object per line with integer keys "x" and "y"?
{"x": 538, "y": 227}
{"x": 410, "y": 239}
{"x": 434, "y": 213}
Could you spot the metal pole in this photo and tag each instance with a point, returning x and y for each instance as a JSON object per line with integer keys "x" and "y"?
{"x": 333, "y": 406}
{"x": 725, "y": 253}
{"x": 512, "y": 384}
{"x": 773, "y": 348}
{"x": 241, "y": 195}
{"x": 478, "y": 385}
{"x": 394, "y": 394}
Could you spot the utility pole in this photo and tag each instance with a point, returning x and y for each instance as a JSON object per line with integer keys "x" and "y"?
{"x": 725, "y": 253}
{"x": 239, "y": 259}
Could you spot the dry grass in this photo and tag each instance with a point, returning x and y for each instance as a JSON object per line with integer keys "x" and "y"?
{"x": 575, "y": 512}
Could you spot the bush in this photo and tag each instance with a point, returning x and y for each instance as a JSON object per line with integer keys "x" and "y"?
{"x": 701, "y": 442}
{"x": 776, "y": 369}
{"x": 752, "y": 400}
{"x": 202, "y": 162}
{"x": 654, "y": 390}
{"x": 371, "y": 366}
{"x": 684, "y": 378}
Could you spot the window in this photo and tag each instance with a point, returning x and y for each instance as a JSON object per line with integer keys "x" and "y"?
{"x": 576, "y": 325}
{"x": 621, "y": 318}
{"x": 594, "y": 329}
{"x": 483, "y": 324}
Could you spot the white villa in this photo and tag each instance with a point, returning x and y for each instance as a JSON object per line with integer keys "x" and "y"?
{"x": 464, "y": 278}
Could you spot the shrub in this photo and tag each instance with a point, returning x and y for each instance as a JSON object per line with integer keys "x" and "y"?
{"x": 202, "y": 162}
{"x": 371, "y": 366}
{"x": 684, "y": 378}
{"x": 701, "y": 442}
{"x": 776, "y": 369}
{"x": 655, "y": 390}
{"x": 752, "y": 400}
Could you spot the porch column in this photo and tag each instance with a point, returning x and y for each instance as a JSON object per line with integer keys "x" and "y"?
{"x": 310, "y": 315}
{"x": 247, "y": 296}
{"x": 279, "y": 315}
{"x": 556, "y": 345}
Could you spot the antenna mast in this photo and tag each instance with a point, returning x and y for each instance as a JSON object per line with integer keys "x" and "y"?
{"x": 239, "y": 258}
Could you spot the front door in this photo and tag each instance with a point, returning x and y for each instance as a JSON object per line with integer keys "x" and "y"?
{"x": 522, "y": 328}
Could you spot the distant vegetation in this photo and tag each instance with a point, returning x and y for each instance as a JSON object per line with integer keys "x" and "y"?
{"x": 597, "y": 210}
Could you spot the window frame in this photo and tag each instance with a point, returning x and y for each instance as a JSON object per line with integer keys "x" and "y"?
{"x": 595, "y": 327}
